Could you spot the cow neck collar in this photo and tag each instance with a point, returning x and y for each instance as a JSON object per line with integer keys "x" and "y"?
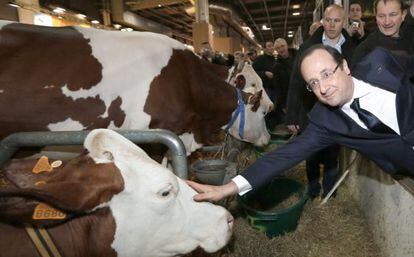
{"x": 239, "y": 111}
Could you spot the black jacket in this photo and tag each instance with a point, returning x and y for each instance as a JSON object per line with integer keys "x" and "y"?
{"x": 299, "y": 100}
{"x": 404, "y": 43}
{"x": 262, "y": 64}
{"x": 282, "y": 73}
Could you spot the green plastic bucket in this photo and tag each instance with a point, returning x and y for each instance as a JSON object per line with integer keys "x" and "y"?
{"x": 259, "y": 206}
{"x": 273, "y": 144}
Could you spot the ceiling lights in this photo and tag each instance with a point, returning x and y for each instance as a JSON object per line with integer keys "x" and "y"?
{"x": 264, "y": 27}
{"x": 296, "y": 13}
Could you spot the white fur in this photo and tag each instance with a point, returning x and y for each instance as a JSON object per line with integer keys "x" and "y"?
{"x": 189, "y": 141}
{"x": 148, "y": 224}
{"x": 66, "y": 125}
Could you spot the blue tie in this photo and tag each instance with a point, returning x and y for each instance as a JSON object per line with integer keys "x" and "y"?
{"x": 370, "y": 120}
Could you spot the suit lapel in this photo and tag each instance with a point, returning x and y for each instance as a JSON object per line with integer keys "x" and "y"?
{"x": 335, "y": 120}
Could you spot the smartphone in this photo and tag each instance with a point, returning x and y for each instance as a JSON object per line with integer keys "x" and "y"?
{"x": 355, "y": 24}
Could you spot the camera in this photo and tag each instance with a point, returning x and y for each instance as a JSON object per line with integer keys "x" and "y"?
{"x": 355, "y": 24}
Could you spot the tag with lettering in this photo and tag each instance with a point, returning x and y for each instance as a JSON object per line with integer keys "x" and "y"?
{"x": 42, "y": 165}
{"x": 46, "y": 212}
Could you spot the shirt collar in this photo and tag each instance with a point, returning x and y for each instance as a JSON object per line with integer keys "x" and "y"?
{"x": 361, "y": 89}
{"x": 337, "y": 46}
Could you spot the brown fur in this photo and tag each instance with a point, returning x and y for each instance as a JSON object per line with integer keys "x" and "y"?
{"x": 76, "y": 188}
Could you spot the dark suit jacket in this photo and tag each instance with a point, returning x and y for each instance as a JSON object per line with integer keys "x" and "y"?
{"x": 299, "y": 100}
{"x": 330, "y": 125}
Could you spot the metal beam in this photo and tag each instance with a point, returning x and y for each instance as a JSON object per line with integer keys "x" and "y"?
{"x": 286, "y": 18}
{"x": 268, "y": 19}
{"x": 251, "y": 18}
{"x": 148, "y": 4}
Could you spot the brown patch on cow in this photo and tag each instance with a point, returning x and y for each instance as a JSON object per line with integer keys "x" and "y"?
{"x": 89, "y": 235}
{"x": 35, "y": 63}
{"x": 240, "y": 82}
{"x": 76, "y": 187}
{"x": 188, "y": 96}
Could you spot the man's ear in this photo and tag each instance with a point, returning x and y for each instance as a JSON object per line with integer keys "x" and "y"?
{"x": 345, "y": 67}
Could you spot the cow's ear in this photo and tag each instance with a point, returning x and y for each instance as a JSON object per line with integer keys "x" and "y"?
{"x": 76, "y": 187}
{"x": 240, "y": 82}
{"x": 255, "y": 100}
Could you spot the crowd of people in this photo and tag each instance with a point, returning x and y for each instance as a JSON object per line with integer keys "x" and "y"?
{"x": 344, "y": 86}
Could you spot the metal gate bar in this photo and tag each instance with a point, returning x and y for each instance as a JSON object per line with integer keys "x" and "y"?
{"x": 11, "y": 144}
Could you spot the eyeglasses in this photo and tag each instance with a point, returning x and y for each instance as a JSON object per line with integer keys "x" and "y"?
{"x": 326, "y": 74}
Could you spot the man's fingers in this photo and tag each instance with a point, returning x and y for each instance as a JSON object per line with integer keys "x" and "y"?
{"x": 196, "y": 186}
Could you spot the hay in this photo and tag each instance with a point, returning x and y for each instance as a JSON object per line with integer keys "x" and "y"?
{"x": 334, "y": 229}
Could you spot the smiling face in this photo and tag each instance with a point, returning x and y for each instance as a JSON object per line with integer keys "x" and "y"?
{"x": 282, "y": 48}
{"x": 334, "y": 90}
{"x": 389, "y": 17}
{"x": 333, "y": 22}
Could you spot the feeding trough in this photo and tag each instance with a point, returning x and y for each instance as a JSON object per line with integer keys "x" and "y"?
{"x": 275, "y": 208}
{"x": 273, "y": 144}
{"x": 279, "y": 133}
{"x": 211, "y": 172}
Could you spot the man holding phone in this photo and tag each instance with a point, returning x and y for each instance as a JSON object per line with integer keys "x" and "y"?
{"x": 356, "y": 28}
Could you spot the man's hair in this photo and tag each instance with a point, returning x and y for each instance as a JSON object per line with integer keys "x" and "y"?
{"x": 358, "y": 3}
{"x": 335, "y": 6}
{"x": 376, "y": 2}
{"x": 280, "y": 40}
{"x": 336, "y": 55}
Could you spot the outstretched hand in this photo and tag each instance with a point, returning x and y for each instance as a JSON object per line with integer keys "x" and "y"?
{"x": 212, "y": 193}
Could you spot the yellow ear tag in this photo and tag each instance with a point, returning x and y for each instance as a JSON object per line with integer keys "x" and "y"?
{"x": 38, "y": 183}
{"x": 46, "y": 212}
{"x": 42, "y": 165}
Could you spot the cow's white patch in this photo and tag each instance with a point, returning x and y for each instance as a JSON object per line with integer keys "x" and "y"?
{"x": 47, "y": 87}
{"x": 189, "y": 142}
{"x": 1, "y": 91}
{"x": 148, "y": 221}
{"x": 65, "y": 125}
{"x": 130, "y": 62}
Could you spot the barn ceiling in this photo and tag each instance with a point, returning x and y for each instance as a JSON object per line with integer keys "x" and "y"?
{"x": 268, "y": 19}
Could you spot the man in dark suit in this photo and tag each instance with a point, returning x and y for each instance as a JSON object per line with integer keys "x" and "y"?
{"x": 300, "y": 101}
{"x": 382, "y": 85}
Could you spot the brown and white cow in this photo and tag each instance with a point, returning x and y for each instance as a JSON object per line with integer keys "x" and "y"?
{"x": 74, "y": 78}
{"x": 117, "y": 202}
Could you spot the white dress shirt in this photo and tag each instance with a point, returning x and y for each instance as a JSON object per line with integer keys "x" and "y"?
{"x": 378, "y": 101}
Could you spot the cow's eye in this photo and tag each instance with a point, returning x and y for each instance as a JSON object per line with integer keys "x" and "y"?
{"x": 253, "y": 85}
{"x": 166, "y": 191}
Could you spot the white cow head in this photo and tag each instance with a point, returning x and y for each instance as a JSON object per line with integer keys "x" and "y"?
{"x": 248, "y": 81}
{"x": 155, "y": 214}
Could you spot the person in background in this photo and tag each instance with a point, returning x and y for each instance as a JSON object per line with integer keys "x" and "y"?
{"x": 251, "y": 54}
{"x": 356, "y": 27}
{"x": 263, "y": 65}
{"x": 395, "y": 30}
{"x": 282, "y": 71}
{"x": 209, "y": 55}
{"x": 346, "y": 106}
{"x": 300, "y": 101}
